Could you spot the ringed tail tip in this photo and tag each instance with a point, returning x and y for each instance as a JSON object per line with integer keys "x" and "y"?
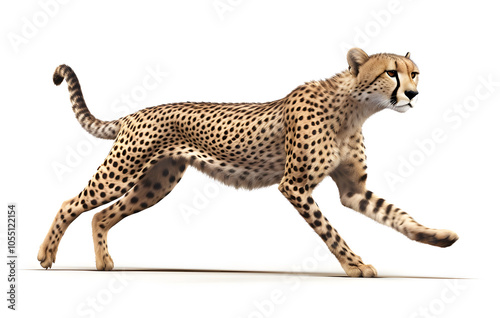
{"x": 58, "y": 76}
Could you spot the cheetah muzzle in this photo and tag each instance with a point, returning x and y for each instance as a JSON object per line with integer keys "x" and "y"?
{"x": 297, "y": 141}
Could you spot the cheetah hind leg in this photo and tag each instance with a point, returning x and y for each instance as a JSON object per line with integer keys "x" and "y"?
{"x": 153, "y": 186}
{"x": 95, "y": 194}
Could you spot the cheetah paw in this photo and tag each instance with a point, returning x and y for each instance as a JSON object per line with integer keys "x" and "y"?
{"x": 46, "y": 256}
{"x": 360, "y": 270}
{"x": 441, "y": 238}
{"x": 104, "y": 263}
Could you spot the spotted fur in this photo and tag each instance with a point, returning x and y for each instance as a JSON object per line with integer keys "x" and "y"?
{"x": 297, "y": 141}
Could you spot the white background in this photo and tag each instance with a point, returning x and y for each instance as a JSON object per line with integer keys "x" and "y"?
{"x": 242, "y": 50}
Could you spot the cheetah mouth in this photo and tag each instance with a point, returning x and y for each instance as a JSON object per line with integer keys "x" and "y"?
{"x": 404, "y": 105}
{"x": 403, "y": 108}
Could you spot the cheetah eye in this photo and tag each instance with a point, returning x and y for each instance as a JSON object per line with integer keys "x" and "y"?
{"x": 391, "y": 73}
{"x": 414, "y": 74}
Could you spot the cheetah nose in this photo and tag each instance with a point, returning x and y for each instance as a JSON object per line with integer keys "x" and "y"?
{"x": 411, "y": 94}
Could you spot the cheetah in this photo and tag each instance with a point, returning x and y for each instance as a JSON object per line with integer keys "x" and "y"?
{"x": 297, "y": 141}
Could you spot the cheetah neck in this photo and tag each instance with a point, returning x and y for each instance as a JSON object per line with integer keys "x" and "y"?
{"x": 350, "y": 111}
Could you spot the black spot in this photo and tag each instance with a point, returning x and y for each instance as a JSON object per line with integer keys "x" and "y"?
{"x": 380, "y": 202}
{"x": 388, "y": 209}
{"x": 363, "y": 178}
{"x": 362, "y": 205}
{"x": 368, "y": 195}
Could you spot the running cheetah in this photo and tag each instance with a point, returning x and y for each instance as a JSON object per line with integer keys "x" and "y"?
{"x": 312, "y": 133}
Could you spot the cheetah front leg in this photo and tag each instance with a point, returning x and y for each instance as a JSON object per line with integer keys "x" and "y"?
{"x": 351, "y": 178}
{"x": 311, "y": 154}
{"x": 300, "y": 197}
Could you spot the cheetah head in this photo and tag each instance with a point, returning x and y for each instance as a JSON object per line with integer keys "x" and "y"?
{"x": 384, "y": 80}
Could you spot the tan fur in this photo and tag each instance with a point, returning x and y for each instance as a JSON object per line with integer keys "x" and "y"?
{"x": 296, "y": 141}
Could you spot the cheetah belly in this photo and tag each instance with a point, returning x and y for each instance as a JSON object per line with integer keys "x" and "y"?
{"x": 248, "y": 166}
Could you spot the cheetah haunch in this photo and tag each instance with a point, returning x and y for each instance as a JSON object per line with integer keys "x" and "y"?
{"x": 312, "y": 133}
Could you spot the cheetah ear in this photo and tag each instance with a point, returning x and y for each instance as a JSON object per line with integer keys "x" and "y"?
{"x": 407, "y": 55}
{"x": 356, "y": 57}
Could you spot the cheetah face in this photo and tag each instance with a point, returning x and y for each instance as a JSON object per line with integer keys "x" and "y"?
{"x": 384, "y": 80}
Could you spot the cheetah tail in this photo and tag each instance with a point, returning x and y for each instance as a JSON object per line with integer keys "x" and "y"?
{"x": 96, "y": 127}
